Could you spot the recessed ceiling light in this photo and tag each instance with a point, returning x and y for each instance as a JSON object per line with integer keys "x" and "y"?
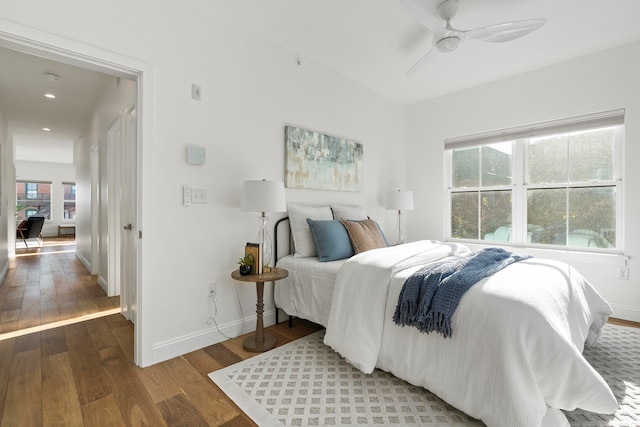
{"x": 46, "y": 129}
{"x": 49, "y": 95}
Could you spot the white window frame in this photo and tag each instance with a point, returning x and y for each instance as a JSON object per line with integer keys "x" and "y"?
{"x": 519, "y": 137}
{"x": 64, "y": 200}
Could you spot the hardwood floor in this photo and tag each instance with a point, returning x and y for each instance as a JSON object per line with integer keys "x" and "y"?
{"x": 82, "y": 374}
{"x": 622, "y": 322}
{"x": 49, "y": 284}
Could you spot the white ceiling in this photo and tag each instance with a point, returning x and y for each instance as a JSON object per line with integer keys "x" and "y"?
{"x": 23, "y": 84}
{"x": 373, "y": 42}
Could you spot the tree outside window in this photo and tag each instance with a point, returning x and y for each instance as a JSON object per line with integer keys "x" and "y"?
{"x": 567, "y": 183}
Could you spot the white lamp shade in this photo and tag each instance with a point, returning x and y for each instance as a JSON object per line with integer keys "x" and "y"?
{"x": 263, "y": 196}
{"x": 399, "y": 200}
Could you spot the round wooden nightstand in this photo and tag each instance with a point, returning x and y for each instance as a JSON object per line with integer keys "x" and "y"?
{"x": 260, "y": 341}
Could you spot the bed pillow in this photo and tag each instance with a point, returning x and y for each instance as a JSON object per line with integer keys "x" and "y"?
{"x": 332, "y": 240}
{"x": 365, "y": 235}
{"x": 355, "y": 213}
{"x": 302, "y": 239}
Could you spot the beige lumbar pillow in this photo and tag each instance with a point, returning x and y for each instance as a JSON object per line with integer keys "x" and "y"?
{"x": 364, "y": 235}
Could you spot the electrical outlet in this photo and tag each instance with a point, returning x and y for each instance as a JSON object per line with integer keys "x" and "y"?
{"x": 196, "y": 92}
{"x": 212, "y": 286}
{"x": 623, "y": 273}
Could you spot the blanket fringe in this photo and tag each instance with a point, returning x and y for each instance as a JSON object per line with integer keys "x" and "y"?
{"x": 435, "y": 322}
{"x": 404, "y": 312}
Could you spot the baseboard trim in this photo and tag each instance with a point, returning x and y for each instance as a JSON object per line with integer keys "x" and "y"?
{"x": 626, "y": 312}
{"x": 103, "y": 284}
{"x": 84, "y": 261}
{"x": 178, "y": 346}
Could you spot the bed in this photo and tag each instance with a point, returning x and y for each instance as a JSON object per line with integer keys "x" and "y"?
{"x": 515, "y": 356}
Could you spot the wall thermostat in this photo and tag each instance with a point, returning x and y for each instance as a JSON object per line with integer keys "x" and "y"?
{"x": 196, "y": 155}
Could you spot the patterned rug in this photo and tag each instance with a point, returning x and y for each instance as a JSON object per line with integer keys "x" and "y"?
{"x": 305, "y": 383}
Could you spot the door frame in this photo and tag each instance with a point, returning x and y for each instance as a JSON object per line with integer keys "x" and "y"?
{"x": 113, "y": 144}
{"x": 31, "y": 41}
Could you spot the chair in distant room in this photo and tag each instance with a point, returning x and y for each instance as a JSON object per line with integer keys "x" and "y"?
{"x": 31, "y": 229}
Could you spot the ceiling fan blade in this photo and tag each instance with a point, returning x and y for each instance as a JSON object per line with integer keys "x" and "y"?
{"x": 423, "y": 61}
{"x": 504, "y": 32}
{"x": 423, "y": 14}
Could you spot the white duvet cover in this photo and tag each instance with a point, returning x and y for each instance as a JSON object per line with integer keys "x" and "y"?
{"x": 515, "y": 357}
{"x": 306, "y": 291}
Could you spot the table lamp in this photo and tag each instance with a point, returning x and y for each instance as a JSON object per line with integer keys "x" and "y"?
{"x": 399, "y": 201}
{"x": 263, "y": 196}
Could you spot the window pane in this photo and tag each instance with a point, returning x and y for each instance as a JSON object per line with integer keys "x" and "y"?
{"x": 69, "y": 191}
{"x": 496, "y": 164}
{"x": 591, "y": 155}
{"x": 548, "y": 160}
{"x": 592, "y": 217}
{"x": 31, "y": 190}
{"x": 464, "y": 215}
{"x": 567, "y": 182}
{"x": 33, "y": 199}
{"x": 546, "y": 216}
{"x": 69, "y": 210}
{"x": 466, "y": 167}
{"x": 496, "y": 213}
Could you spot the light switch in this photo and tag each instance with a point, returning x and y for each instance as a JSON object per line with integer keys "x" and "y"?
{"x": 198, "y": 195}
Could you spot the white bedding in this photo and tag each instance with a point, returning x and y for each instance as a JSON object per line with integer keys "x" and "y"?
{"x": 306, "y": 292}
{"x": 515, "y": 357}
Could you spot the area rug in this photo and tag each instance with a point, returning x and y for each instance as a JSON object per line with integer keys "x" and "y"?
{"x": 305, "y": 383}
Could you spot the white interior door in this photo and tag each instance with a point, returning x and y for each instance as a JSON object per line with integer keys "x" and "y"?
{"x": 110, "y": 201}
{"x": 94, "y": 168}
{"x": 128, "y": 220}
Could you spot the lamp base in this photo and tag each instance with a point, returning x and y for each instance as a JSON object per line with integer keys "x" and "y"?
{"x": 400, "y": 228}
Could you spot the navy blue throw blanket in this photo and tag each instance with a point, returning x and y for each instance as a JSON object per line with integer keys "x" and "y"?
{"x": 431, "y": 295}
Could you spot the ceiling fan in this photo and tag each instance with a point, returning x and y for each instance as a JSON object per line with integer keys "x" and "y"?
{"x": 447, "y": 38}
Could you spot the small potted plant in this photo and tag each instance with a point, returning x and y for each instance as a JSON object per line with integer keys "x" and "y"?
{"x": 245, "y": 264}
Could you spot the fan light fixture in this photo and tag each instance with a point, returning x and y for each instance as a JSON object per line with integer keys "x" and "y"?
{"x": 448, "y": 44}
{"x": 446, "y": 38}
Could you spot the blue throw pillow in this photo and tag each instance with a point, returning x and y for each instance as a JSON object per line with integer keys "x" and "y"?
{"x": 332, "y": 240}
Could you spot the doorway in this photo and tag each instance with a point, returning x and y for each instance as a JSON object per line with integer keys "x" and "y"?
{"x": 29, "y": 41}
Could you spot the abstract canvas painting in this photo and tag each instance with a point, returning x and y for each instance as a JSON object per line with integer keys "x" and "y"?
{"x": 322, "y": 162}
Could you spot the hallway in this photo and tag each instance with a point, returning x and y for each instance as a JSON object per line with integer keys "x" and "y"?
{"x": 82, "y": 373}
{"x": 49, "y": 285}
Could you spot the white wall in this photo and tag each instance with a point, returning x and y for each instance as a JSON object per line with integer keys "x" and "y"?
{"x": 56, "y": 174}
{"x": 598, "y": 82}
{"x": 251, "y": 89}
